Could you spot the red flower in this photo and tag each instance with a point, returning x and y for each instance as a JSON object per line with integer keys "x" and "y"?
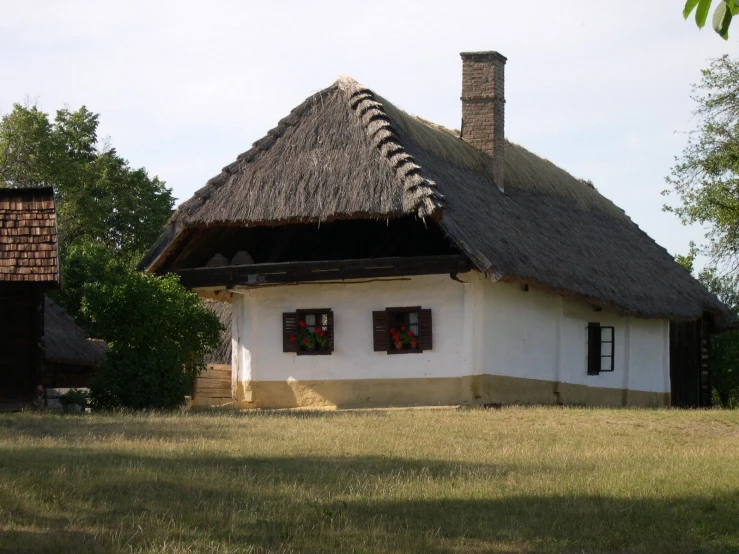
{"x": 392, "y": 331}
{"x": 305, "y": 340}
{"x": 292, "y": 338}
{"x": 410, "y": 334}
{"x": 319, "y": 333}
{"x": 402, "y": 327}
{"x": 302, "y": 323}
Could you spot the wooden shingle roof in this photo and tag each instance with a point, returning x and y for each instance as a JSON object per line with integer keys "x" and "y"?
{"x": 28, "y": 240}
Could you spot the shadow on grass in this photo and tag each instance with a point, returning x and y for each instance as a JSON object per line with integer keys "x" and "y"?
{"x": 128, "y": 426}
{"x": 323, "y": 504}
{"x": 156, "y": 426}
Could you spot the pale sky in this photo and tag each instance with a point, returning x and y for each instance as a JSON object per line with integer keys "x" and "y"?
{"x": 602, "y": 89}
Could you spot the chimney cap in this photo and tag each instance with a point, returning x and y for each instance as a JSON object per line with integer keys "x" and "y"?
{"x": 487, "y": 55}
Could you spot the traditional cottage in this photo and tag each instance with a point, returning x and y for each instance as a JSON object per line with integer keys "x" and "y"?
{"x": 29, "y": 267}
{"x": 374, "y": 258}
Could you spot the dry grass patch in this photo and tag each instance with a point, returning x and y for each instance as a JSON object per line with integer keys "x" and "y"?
{"x": 511, "y": 480}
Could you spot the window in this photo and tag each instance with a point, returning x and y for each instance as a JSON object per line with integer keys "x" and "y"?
{"x": 308, "y": 332}
{"x": 402, "y": 330}
{"x": 600, "y": 348}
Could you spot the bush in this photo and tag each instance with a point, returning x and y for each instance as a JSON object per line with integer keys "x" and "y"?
{"x": 73, "y": 396}
{"x": 159, "y": 333}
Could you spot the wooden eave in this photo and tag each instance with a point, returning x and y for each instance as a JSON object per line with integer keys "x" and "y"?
{"x": 325, "y": 270}
{"x": 156, "y": 255}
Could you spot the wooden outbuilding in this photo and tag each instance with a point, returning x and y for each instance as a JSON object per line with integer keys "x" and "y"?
{"x": 29, "y": 267}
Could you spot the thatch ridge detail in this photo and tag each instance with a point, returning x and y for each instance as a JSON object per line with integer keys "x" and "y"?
{"x": 420, "y": 194}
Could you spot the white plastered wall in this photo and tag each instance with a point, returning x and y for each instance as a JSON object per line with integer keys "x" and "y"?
{"x": 539, "y": 335}
{"x": 479, "y": 327}
{"x": 257, "y": 330}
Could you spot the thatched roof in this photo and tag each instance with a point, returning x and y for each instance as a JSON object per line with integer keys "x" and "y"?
{"x": 65, "y": 341}
{"x": 222, "y": 354}
{"x": 347, "y": 153}
{"x": 28, "y": 249}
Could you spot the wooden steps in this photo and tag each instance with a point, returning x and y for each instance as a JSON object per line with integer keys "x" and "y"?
{"x": 213, "y": 387}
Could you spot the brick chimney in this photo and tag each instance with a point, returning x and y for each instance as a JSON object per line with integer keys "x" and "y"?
{"x": 483, "y": 105}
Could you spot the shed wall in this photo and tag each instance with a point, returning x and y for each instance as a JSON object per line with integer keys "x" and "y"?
{"x": 21, "y": 332}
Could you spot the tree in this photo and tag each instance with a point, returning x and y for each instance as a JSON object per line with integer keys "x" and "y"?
{"x": 99, "y": 196}
{"x": 158, "y": 332}
{"x": 84, "y": 264}
{"x": 103, "y": 205}
{"x": 29, "y": 150}
{"x": 706, "y": 177}
{"x": 722, "y": 15}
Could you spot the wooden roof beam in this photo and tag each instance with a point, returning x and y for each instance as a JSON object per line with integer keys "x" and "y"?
{"x": 293, "y": 272}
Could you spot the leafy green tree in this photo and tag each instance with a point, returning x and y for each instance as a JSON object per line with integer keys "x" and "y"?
{"x": 29, "y": 150}
{"x": 158, "y": 331}
{"x": 722, "y": 15}
{"x": 99, "y": 196}
{"x": 706, "y": 177}
{"x": 103, "y": 205}
{"x": 85, "y": 264}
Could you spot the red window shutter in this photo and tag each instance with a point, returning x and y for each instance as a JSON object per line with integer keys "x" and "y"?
{"x": 380, "y": 331}
{"x": 330, "y": 331}
{"x": 289, "y": 328}
{"x": 425, "y": 334}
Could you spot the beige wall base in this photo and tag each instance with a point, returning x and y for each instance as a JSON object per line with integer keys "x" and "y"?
{"x": 469, "y": 390}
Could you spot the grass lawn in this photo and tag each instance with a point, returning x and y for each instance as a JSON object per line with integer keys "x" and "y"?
{"x": 510, "y": 480}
